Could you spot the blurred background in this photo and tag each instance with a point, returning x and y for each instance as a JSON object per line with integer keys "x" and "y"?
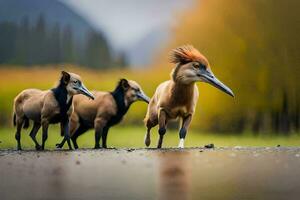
{"x": 252, "y": 46}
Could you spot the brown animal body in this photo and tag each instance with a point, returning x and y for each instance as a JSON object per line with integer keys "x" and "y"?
{"x": 177, "y": 98}
{"x": 106, "y": 110}
{"x": 47, "y": 107}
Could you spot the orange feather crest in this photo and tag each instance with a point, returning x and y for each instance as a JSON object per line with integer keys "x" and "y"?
{"x": 185, "y": 54}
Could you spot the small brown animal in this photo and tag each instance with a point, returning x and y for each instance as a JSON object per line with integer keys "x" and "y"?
{"x": 47, "y": 107}
{"x": 177, "y": 98}
{"x": 106, "y": 110}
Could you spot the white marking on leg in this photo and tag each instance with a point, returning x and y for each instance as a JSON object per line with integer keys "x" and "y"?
{"x": 181, "y": 143}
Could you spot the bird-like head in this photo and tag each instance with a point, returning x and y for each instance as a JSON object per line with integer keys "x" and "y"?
{"x": 73, "y": 84}
{"x": 132, "y": 91}
{"x": 192, "y": 66}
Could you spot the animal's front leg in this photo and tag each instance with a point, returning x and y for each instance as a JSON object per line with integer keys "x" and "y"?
{"x": 62, "y": 130}
{"x": 33, "y": 132}
{"x": 67, "y": 133}
{"x": 162, "y": 117}
{"x": 182, "y": 133}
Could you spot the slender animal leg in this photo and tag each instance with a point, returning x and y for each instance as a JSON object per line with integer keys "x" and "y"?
{"x": 45, "y": 125}
{"x": 147, "y": 137}
{"x": 62, "y": 132}
{"x": 18, "y": 133}
{"x": 62, "y": 129}
{"x": 104, "y": 137}
{"x": 98, "y": 134}
{"x": 99, "y": 125}
{"x": 33, "y": 132}
{"x": 162, "y": 117}
{"x": 81, "y": 129}
{"x": 149, "y": 125}
{"x": 182, "y": 133}
{"x": 67, "y": 134}
{"x": 73, "y": 128}
{"x": 61, "y": 144}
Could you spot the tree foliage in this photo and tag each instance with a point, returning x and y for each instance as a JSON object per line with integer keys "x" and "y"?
{"x": 253, "y": 46}
{"x": 38, "y": 43}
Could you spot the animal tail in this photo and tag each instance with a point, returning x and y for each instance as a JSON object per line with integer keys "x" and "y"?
{"x": 26, "y": 123}
{"x": 17, "y": 102}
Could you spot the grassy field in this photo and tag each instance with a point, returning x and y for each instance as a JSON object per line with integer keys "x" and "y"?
{"x": 16, "y": 79}
{"x": 132, "y": 137}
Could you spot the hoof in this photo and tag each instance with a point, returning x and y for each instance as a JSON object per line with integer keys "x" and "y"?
{"x": 209, "y": 146}
{"x": 19, "y": 149}
{"x": 59, "y": 146}
{"x": 147, "y": 141}
{"x": 97, "y": 147}
{"x": 38, "y": 147}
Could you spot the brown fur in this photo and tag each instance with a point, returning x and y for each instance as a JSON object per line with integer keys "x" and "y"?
{"x": 99, "y": 113}
{"x": 42, "y": 108}
{"x": 176, "y": 98}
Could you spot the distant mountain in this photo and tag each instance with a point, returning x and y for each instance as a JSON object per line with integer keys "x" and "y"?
{"x": 53, "y": 10}
{"x": 145, "y": 50}
{"x": 48, "y": 32}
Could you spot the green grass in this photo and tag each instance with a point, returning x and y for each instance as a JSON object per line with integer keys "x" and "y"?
{"x": 132, "y": 137}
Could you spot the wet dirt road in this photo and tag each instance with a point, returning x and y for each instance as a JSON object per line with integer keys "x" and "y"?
{"x": 222, "y": 173}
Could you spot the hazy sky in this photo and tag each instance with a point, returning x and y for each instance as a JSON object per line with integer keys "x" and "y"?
{"x": 125, "y": 22}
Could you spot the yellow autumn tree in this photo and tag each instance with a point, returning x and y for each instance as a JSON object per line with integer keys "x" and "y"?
{"x": 253, "y": 47}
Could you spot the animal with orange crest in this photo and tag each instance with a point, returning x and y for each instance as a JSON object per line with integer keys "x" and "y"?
{"x": 177, "y": 97}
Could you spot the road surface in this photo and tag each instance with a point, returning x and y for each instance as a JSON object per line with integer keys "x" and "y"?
{"x": 196, "y": 173}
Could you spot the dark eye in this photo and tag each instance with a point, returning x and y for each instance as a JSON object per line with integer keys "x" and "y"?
{"x": 196, "y": 65}
{"x": 75, "y": 81}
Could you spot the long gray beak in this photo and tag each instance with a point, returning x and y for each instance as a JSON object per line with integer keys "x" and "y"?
{"x": 212, "y": 80}
{"x": 83, "y": 90}
{"x": 141, "y": 96}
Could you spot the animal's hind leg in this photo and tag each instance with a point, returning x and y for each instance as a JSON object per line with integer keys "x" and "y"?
{"x": 104, "y": 137}
{"x": 162, "y": 117}
{"x": 81, "y": 129}
{"x": 45, "y": 125}
{"x": 99, "y": 125}
{"x": 33, "y": 132}
{"x": 61, "y": 144}
{"x": 18, "y": 133}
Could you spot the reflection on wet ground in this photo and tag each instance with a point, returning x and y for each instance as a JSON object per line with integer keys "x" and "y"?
{"x": 174, "y": 175}
{"x": 241, "y": 173}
